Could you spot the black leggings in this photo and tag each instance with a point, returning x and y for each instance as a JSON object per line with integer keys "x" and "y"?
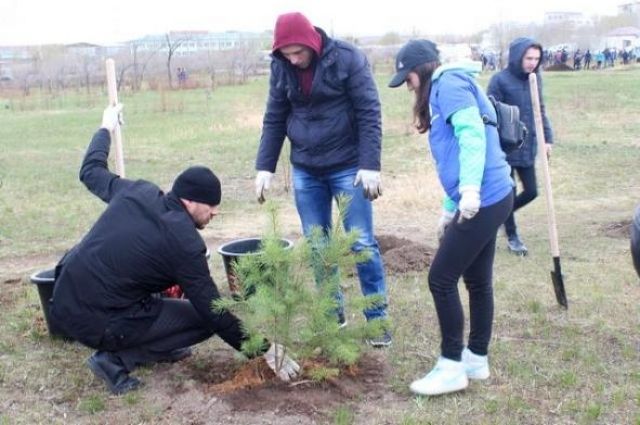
{"x": 177, "y": 326}
{"x": 529, "y": 192}
{"x": 467, "y": 249}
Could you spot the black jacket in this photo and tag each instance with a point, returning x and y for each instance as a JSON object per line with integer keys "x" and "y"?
{"x": 144, "y": 242}
{"x": 338, "y": 126}
{"x": 511, "y": 86}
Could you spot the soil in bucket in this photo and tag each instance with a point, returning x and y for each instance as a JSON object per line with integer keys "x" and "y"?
{"x": 232, "y": 251}
{"x": 45, "y": 281}
{"x": 176, "y": 291}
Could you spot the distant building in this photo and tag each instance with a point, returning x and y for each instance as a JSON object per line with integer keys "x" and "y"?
{"x": 623, "y": 38}
{"x": 10, "y": 57}
{"x": 5, "y": 71}
{"x": 192, "y": 42}
{"x": 575, "y": 18}
{"x": 85, "y": 49}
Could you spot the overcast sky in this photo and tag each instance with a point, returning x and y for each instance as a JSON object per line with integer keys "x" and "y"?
{"x": 67, "y": 21}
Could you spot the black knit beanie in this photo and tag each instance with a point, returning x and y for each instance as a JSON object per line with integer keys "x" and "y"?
{"x": 198, "y": 184}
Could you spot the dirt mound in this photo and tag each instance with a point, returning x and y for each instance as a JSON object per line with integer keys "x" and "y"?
{"x": 403, "y": 255}
{"x": 250, "y": 375}
{"x": 559, "y": 67}
{"x": 251, "y": 387}
{"x": 308, "y": 397}
{"x": 620, "y": 229}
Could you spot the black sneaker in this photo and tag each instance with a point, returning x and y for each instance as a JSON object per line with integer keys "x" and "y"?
{"x": 516, "y": 246}
{"x": 381, "y": 341}
{"x": 342, "y": 321}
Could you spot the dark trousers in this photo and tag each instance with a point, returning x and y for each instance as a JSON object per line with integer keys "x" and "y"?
{"x": 177, "y": 326}
{"x": 467, "y": 249}
{"x": 527, "y": 176}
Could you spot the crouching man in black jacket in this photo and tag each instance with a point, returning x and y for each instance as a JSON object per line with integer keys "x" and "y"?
{"x": 144, "y": 242}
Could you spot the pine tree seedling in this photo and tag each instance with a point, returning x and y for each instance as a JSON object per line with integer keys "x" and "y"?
{"x": 289, "y": 295}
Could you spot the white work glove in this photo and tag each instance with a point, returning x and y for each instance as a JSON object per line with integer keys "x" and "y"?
{"x": 263, "y": 182}
{"x": 469, "y": 202}
{"x": 371, "y": 184}
{"x": 111, "y": 117}
{"x": 444, "y": 222}
{"x": 284, "y": 366}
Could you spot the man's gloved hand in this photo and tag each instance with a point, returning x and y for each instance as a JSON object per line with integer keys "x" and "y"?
{"x": 469, "y": 202}
{"x": 263, "y": 182}
{"x": 284, "y": 366}
{"x": 444, "y": 222}
{"x": 371, "y": 184}
{"x": 547, "y": 151}
{"x": 111, "y": 117}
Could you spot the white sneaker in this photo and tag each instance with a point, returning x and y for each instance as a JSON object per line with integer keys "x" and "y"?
{"x": 476, "y": 366}
{"x": 446, "y": 376}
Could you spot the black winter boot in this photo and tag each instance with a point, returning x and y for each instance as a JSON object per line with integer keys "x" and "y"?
{"x": 108, "y": 367}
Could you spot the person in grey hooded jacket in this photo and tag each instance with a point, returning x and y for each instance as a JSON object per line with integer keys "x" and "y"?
{"x": 511, "y": 86}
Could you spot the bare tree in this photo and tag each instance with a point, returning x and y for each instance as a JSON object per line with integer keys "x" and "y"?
{"x": 502, "y": 34}
{"x": 52, "y": 68}
{"x": 135, "y": 63}
{"x": 246, "y": 60}
{"x": 390, "y": 39}
{"x": 172, "y": 46}
{"x": 140, "y": 63}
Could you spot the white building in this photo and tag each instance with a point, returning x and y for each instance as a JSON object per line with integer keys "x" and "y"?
{"x": 574, "y": 18}
{"x": 191, "y": 42}
{"x": 11, "y": 57}
{"x": 624, "y": 38}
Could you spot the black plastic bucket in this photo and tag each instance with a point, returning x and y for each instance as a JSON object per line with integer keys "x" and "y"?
{"x": 635, "y": 240}
{"x": 232, "y": 251}
{"x": 45, "y": 281}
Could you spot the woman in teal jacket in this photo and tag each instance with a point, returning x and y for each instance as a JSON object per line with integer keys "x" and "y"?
{"x": 478, "y": 198}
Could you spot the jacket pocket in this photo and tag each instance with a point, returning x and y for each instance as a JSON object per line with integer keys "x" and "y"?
{"x": 334, "y": 84}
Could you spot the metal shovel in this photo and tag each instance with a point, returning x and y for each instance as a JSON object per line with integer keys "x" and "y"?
{"x": 556, "y": 273}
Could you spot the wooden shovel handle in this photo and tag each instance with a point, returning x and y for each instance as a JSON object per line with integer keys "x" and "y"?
{"x": 551, "y": 213}
{"x": 116, "y": 135}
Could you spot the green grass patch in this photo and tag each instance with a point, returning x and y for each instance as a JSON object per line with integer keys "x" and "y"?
{"x": 92, "y": 404}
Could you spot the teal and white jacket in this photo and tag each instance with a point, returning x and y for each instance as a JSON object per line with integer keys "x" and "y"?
{"x": 466, "y": 151}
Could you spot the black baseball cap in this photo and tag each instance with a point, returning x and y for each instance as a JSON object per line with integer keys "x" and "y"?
{"x": 412, "y": 54}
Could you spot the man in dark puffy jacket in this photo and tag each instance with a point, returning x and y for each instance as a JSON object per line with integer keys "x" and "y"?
{"x": 322, "y": 96}
{"x": 143, "y": 243}
{"x": 511, "y": 86}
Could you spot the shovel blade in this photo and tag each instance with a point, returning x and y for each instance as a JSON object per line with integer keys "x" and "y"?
{"x": 558, "y": 283}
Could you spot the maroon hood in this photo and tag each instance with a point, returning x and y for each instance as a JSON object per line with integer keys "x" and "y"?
{"x": 295, "y": 28}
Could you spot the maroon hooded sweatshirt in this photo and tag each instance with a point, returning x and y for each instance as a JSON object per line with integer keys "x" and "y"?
{"x": 295, "y": 28}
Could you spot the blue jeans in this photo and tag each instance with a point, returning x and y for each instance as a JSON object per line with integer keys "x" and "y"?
{"x": 314, "y": 196}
